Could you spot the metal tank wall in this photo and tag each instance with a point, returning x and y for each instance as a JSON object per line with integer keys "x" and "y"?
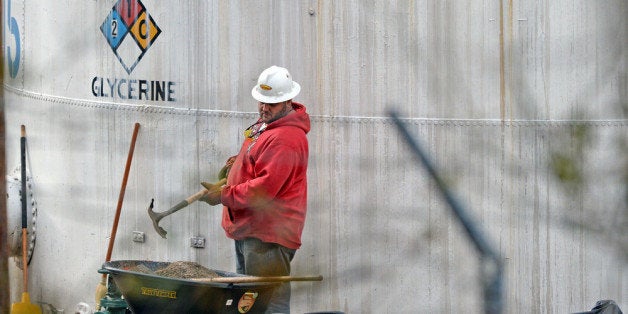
{"x": 522, "y": 106}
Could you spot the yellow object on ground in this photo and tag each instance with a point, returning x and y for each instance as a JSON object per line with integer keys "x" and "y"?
{"x": 101, "y": 291}
{"x": 25, "y": 307}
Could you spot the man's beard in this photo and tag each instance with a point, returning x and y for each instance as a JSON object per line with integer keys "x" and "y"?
{"x": 284, "y": 112}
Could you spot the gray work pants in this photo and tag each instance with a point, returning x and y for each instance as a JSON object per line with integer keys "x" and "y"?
{"x": 257, "y": 258}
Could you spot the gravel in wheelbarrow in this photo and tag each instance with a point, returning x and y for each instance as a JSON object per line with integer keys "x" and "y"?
{"x": 165, "y": 287}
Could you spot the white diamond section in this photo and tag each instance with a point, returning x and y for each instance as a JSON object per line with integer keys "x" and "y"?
{"x": 129, "y": 52}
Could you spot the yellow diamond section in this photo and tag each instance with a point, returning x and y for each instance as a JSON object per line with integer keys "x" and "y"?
{"x": 144, "y": 30}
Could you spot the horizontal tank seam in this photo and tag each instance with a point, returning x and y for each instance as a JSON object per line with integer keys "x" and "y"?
{"x": 316, "y": 118}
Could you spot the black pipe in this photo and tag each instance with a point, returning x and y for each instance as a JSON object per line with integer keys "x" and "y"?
{"x": 23, "y": 174}
{"x": 491, "y": 265}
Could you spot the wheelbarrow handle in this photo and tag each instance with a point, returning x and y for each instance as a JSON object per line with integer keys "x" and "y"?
{"x": 247, "y": 279}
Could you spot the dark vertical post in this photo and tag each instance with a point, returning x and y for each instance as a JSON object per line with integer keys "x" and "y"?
{"x": 4, "y": 249}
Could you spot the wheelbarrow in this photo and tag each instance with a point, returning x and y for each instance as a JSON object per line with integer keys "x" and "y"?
{"x": 147, "y": 292}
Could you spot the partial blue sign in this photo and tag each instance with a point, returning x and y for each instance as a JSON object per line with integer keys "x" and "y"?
{"x": 13, "y": 60}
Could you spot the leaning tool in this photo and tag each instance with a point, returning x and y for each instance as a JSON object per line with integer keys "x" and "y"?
{"x": 101, "y": 289}
{"x": 24, "y": 307}
{"x": 156, "y": 217}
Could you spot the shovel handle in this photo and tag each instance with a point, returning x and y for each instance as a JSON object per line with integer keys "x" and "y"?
{"x": 125, "y": 177}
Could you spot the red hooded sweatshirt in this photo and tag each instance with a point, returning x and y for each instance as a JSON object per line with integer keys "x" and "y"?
{"x": 266, "y": 192}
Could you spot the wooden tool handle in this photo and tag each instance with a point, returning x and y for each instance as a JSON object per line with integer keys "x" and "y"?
{"x": 127, "y": 167}
{"x": 247, "y": 279}
{"x": 196, "y": 196}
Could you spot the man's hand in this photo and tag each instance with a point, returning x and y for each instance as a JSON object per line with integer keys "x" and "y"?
{"x": 224, "y": 172}
{"x": 213, "y": 195}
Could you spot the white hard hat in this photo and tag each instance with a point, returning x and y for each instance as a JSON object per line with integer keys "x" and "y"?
{"x": 275, "y": 85}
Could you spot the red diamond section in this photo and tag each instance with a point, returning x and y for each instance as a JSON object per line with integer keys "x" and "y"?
{"x": 129, "y": 10}
{"x": 145, "y": 31}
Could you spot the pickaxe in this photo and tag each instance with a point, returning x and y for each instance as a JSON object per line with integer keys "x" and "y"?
{"x": 156, "y": 217}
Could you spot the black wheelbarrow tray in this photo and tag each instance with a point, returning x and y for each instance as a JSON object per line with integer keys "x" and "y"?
{"x": 147, "y": 293}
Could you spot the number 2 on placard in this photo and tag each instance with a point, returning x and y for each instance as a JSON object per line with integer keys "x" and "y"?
{"x": 114, "y": 28}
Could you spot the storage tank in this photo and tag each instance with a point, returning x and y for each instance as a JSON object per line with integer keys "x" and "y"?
{"x": 521, "y": 106}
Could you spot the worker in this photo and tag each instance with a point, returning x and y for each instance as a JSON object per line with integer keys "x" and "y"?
{"x": 265, "y": 196}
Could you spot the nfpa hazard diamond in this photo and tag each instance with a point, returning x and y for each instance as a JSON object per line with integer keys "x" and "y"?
{"x": 130, "y": 31}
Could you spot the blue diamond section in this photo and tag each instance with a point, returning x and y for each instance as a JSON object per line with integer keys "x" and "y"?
{"x": 114, "y": 29}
